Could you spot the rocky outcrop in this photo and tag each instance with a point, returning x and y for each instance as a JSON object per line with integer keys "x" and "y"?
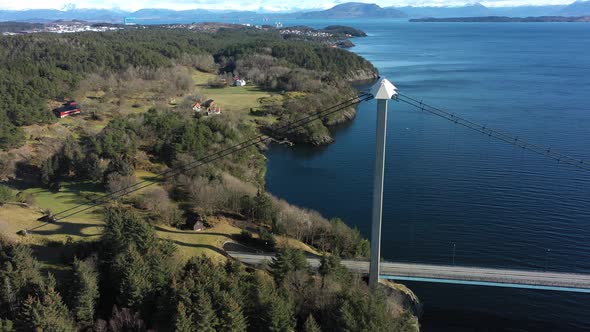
{"x": 361, "y": 75}
{"x": 403, "y": 296}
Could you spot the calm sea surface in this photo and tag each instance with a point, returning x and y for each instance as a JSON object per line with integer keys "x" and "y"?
{"x": 499, "y": 205}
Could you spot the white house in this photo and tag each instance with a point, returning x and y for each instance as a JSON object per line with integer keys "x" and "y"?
{"x": 213, "y": 110}
{"x": 240, "y": 82}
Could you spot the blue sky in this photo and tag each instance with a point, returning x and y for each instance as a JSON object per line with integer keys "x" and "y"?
{"x": 267, "y": 5}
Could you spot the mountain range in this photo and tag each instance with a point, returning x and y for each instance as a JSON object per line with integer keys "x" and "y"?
{"x": 355, "y": 10}
{"x": 344, "y": 10}
{"x": 477, "y": 10}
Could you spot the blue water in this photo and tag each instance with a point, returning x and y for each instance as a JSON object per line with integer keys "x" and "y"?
{"x": 499, "y": 205}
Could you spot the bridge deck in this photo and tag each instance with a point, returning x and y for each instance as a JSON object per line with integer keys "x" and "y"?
{"x": 457, "y": 274}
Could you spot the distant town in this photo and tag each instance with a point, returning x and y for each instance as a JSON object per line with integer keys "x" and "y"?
{"x": 56, "y": 27}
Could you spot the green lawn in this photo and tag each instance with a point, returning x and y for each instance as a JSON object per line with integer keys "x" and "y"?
{"x": 84, "y": 225}
{"x": 230, "y": 98}
{"x": 73, "y": 195}
{"x": 208, "y": 242}
{"x": 236, "y": 98}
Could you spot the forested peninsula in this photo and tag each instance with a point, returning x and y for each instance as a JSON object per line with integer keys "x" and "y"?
{"x": 119, "y": 119}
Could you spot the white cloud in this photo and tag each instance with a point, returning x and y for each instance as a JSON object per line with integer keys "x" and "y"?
{"x": 255, "y": 5}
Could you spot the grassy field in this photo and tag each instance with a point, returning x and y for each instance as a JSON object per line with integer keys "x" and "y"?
{"x": 231, "y": 98}
{"x": 72, "y": 195}
{"x": 208, "y": 242}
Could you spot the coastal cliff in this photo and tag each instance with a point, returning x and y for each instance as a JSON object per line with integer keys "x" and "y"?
{"x": 361, "y": 75}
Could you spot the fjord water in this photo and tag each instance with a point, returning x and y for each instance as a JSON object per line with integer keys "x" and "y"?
{"x": 447, "y": 186}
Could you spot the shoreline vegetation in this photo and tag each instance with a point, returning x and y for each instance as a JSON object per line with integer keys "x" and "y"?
{"x": 158, "y": 252}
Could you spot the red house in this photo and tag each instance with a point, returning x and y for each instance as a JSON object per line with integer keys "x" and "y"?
{"x": 61, "y": 113}
{"x": 68, "y": 108}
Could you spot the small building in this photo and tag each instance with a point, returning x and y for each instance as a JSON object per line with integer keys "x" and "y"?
{"x": 213, "y": 110}
{"x": 67, "y": 109}
{"x": 195, "y": 223}
{"x": 239, "y": 82}
{"x": 60, "y": 113}
{"x": 197, "y": 107}
{"x": 198, "y": 226}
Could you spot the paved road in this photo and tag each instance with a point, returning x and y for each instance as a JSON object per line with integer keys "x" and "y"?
{"x": 455, "y": 274}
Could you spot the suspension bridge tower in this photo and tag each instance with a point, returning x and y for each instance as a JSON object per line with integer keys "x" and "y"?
{"x": 382, "y": 91}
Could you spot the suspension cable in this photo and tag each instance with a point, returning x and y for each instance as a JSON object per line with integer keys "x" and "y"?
{"x": 516, "y": 141}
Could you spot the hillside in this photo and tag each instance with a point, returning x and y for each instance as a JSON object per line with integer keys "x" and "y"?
{"x": 458, "y": 11}
{"x": 355, "y": 10}
{"x": 480, "y": 10}
{"x": 578, "y": 8}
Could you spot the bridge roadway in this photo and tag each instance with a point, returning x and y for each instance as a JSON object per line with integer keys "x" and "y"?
{"x": 542, "y": 280}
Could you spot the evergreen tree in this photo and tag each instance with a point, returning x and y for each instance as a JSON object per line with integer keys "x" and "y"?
{"x": 311, "y": 325}
{"x": 348, "y": 317}
{"x": 184, "y": 321}
{"x": 287, "y": 260}
{"x": 48, "y": 172}
{"x": 207, "y": 320}
{"x": 24, "y": 319}
{"x": 135, "y": 284}
{"x": 280, "y": 315}
{"x": 330, "y": 267}
{"x": 10, "y": 135}
{"x": 124, "y": 227}
{"x": 120, "y": 166}
{"x": 360, "y": 311}
{"x": 70, "y": 157}
{"x": 85, "y": 291}
{"x": 20, "y": 276}
{"x": 232, "y": 318}
{"x": 49, "y": 313}
{"x": 92, "y": 168}
{"x": 274, "y": 313}
{"x": 6, "y": 325}
{"x": 8, "y": 296}
{"x": 264, "y": 210}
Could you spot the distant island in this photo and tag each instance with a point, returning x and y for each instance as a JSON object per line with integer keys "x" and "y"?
{"x": 354, "y": 10}
{"x": 502, "y": 19}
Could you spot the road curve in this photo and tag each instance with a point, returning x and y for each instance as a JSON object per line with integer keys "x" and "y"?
{"x": 454, "y": 274}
